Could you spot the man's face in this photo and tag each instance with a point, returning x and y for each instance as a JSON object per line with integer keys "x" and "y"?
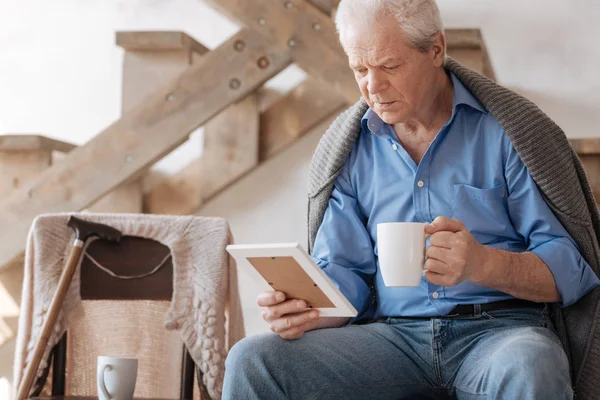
{"x": 394, "y": 78}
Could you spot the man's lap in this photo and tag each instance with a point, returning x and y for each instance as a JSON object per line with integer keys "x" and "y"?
{"x": 406, "y": 357}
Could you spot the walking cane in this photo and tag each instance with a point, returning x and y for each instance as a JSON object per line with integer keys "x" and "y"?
{"x": 84, "y": 230}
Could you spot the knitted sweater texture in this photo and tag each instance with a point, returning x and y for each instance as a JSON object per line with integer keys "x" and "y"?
{"x": 205, "y": 307}
{"x": 556, "y": 169}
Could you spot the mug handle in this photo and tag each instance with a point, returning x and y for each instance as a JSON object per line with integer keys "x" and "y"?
{"x": 425, "y": 252}
{"x": 105, "y": 392}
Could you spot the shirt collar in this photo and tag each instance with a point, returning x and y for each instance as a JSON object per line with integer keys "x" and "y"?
{"x": 373, "y": 123}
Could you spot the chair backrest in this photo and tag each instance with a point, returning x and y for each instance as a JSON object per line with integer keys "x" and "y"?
{"x": 124, "y": 317}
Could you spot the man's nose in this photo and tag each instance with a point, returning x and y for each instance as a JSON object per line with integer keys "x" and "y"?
{"x": 376, "y": 82}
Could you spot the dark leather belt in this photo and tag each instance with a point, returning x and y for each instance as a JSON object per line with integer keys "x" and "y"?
{"x": 469, "y": 309}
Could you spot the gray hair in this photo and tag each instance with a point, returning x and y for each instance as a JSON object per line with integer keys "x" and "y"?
{"x": 420, "y": 20}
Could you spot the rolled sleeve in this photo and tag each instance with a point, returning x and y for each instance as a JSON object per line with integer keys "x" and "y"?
{"x": 573, "y": 276}
{"x": 545, "y": 236}
{"x": 343, "y": 248}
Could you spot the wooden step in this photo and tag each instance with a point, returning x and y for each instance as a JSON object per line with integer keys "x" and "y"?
{"x": 145, "y": 134}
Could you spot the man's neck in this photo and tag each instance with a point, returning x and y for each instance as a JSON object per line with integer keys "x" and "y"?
{"x": 431, "y": 117}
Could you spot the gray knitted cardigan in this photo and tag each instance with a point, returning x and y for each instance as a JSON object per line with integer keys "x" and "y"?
{"x": 556, "y": 169}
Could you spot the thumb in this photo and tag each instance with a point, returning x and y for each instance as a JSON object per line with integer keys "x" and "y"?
{"x": 444, "y": 224}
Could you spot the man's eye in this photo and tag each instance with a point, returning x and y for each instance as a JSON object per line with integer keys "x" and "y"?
{"x": 391, "y": 67}
{"x": 360, "y": 71}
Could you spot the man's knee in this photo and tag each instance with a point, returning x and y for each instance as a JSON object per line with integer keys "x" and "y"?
{"x": 251, "y": 352}
{"x": 534, "y": 360}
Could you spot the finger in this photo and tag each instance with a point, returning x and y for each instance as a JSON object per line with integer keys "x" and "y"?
{"x": 436, "y": 266}
{"x": 444, "y": 224}
{"x": 298, "y": 332}
{"x": 291, "y": 321}
{"x": 266, "y": 299}
{"x": 442, "y": 239}
{"x": 287, "y": 307}
{"x": 439, "y": 253}
{"x": 437, "y": 279}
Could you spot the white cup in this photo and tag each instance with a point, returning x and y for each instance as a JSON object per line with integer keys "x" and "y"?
{"x": 116, "y": 377}
{"x": 401, "y": 251}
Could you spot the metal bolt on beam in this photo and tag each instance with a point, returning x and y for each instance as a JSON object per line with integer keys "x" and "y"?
{"x": 170, "y": 97}
{"x": 239, "y": 45}
{"x": 288, "y": 4}
{"x": 263, "y": 62}
{"x": 316, "y": 27}
{"x": 128, "y": 159}
{"x": 291, "y": 42}
{"x": 262, "y": 21}
{"x": 235, "y": 83}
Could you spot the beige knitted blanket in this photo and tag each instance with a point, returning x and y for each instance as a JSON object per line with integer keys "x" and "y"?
{"x": 203, "y": 273}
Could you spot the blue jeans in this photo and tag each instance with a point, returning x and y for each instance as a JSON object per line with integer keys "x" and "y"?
{"x": 504, "y": 354}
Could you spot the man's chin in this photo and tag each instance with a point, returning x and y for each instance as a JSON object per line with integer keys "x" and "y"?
{"x": 390, "y": 117}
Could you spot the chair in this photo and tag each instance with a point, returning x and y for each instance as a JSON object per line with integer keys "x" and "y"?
{"x": 145, "y": 300}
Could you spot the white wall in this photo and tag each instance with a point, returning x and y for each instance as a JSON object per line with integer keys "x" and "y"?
{"x": 60, "y": 76}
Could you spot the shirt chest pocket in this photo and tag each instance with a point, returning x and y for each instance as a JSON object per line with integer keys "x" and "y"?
{"x": 483, "y": 211}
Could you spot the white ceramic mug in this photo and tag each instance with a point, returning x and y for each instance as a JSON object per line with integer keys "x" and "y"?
{"x": 401, "y": 251}
{"x": 116, "y": 377}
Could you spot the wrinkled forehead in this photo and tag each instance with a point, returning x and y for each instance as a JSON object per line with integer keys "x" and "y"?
{"x": 364, "y": 37}
{"x": 376, "y": 48}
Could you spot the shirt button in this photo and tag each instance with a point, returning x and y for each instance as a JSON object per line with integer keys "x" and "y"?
{"x": 420, "y": 184}
{"x": 435, "y": 295}
{"x": 394, "y": 147}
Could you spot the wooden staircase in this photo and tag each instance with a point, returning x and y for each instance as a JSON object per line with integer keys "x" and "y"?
{"x": 172, "y": 85}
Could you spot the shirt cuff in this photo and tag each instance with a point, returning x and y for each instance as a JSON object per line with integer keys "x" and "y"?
{"x": 352, "y": 286}
{"x": 572, "y": 274}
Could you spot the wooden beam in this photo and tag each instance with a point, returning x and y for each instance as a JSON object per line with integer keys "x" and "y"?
{"x": 18, "y": 167}
{"x": 180, "y": 194}
{"x": 230, "y": 146}
{"x": 151, "y": 60}
{"x": 158, "y": 41}
{"x": 326, "y": 6}
{"x": 463, "y": 38}
{"x": 589, "y": 146}
{"x": 280, "y": 126}
{"x": 142, "y": 136}
{"x": 306, "y": 31}
{"x": 33, "y": 142}
{"x": 468, "y": 47}
{"x": 304, "y": 107}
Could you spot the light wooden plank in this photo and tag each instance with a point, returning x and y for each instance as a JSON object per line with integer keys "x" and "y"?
{"x": 144, "y": 72}
{"x": 230, "y": 146}
{"x": 468, "y": 47}
{"x": 308, "y": 32}
{"x": 326, "y": 6}
{"x": 588, "y": 146}
{"x": 180, "y": 194}
{"x": 280, "y": 125}
{"x": 463, "y": 38}
{"x": 488, "y": 68}
{"x": 33, "y": 142}
{"x": 7, "y": 351}
{"x": 142, "y": 136}
{"x": 158, "y": 40}
{"x": 470, "y": 58}
{"x": 18, "y": 167}
{"x": 295, "y": 114}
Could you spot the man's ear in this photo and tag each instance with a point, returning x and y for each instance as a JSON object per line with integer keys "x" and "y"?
{"x": 438, "y": 50}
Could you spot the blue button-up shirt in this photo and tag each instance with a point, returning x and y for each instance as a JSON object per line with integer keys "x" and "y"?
{"x": 470, "y": 172}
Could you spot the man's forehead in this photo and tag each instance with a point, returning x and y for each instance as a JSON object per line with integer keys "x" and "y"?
{"x": 378, "y": 54}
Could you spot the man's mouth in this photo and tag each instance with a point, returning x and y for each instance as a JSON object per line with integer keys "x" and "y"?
{"x": 384, "y": 104}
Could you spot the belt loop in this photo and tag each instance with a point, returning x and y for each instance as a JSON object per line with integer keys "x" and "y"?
{"x": 477, "y": 310}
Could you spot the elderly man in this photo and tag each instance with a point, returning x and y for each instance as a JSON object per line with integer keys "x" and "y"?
{"x": 424, "y": 149}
